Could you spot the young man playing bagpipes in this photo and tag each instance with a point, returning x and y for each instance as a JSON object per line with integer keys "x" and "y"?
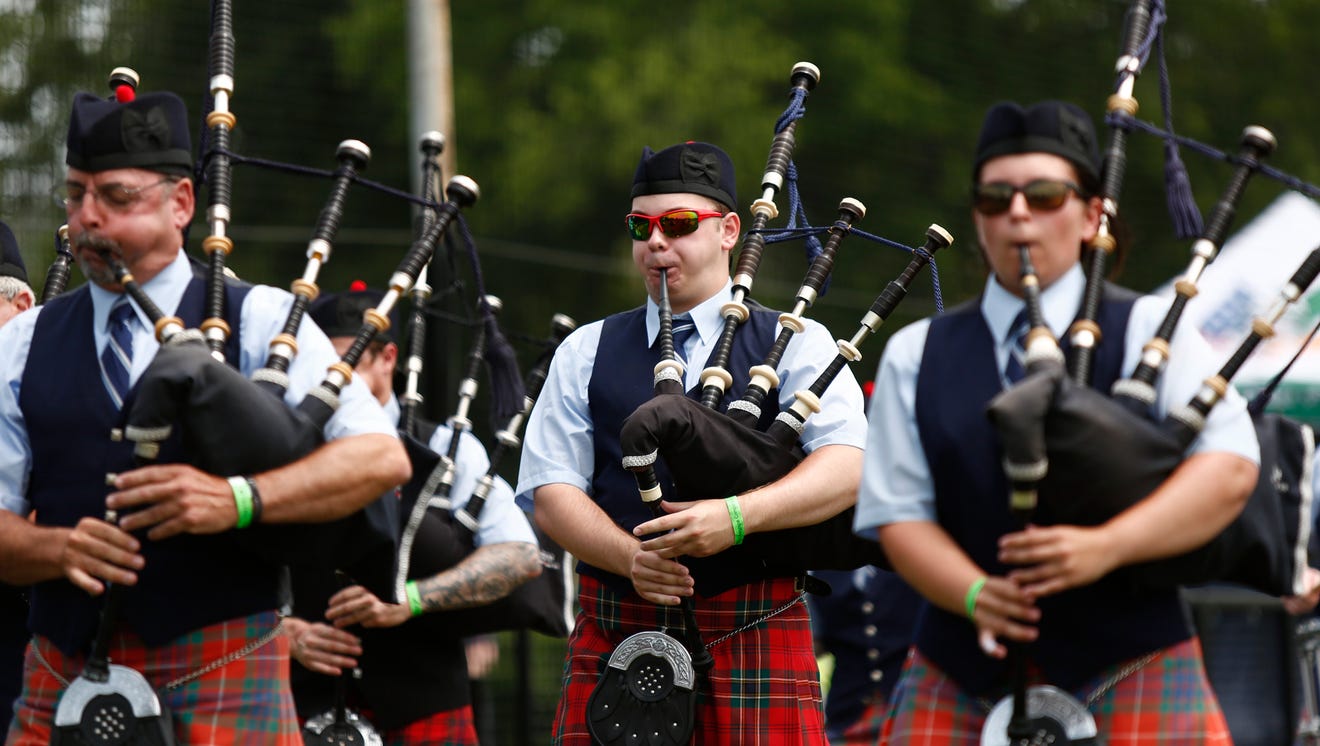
{"x": 763, "y": 686}
{"x": 198, "y": 618}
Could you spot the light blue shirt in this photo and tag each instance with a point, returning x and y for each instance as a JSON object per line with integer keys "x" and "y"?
{"x": 501, "y": 520}
{"x": 558, "y": 446}
{"x": 896, "y": 482}
{"x": 262, "y": 317}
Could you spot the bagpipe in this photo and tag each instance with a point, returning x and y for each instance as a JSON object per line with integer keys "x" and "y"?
{"x": 1106, "y": 454}
{"x": 57, "y": 275}
{"x": 231, "y": 425}
{"x": 649, "y": 685}
{"x": 1255, "y": 549}
{"x": 432, "y": 536}
{"x": 341, "y": 724}
{"x": 435, "y": 536}
{"x": 712, "y": 453}
{"x": 1040, "y": 713}
{"x": 1075, "y": 455}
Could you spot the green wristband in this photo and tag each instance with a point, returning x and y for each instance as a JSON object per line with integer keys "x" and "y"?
{"x": 414, "y": 598}
{"x": 973, "y": 591}
{"x": 242, "y": 500}
{"x": 736, "y": 518}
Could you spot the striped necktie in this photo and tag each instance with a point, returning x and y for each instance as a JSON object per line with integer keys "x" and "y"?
{"x": 1013, "y": 368}
{"x": 682, "y": 329}
{"x": 117, "y": 357}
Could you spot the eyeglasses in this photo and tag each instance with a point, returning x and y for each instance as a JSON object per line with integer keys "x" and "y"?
{"x": 996, "y": 197}
{"x": 673, "y": 224}
{"x": 114, "y": 196}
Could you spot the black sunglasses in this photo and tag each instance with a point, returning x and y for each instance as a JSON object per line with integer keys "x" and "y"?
{"x": 994, "y": 198}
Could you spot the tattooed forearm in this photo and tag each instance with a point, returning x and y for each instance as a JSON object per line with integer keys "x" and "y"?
{"x": 487, "y": 575}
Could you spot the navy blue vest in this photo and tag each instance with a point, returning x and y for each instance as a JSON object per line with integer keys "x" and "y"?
{"x": 869, "y": 631}
{"x": 189, "y": 581}
{"x": 622, "y": 380}
{"x": 1082, "y": 630}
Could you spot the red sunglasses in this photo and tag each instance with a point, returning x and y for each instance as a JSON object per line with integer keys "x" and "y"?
{"x": 673, "y": 224}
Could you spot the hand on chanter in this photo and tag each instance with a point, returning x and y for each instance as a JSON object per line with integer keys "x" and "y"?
{"x": 660, "y": 580}
{"x": 1003, "y": 611}
{"x": 320, "y": 647}
{"x": 173, "y": 499}
{"x": 698, "y": 528}
{"x": 357, "y": 605}
{"x": 97, "y": 552}
{"x": 1056, "y": 558}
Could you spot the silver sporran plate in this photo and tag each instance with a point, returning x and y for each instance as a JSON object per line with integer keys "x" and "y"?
{"x": 1048, "y": 702}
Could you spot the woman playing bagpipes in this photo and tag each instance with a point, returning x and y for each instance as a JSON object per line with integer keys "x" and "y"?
{"x": 198, "y": 616}
{"x": 763, "y": 686}
{"x": 934, "y": 487}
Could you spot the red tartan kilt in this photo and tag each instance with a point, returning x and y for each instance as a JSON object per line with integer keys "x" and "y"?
{"x": 764, "y": 687}
{"x": 866, "y": 731}
{"x": 452, "y": 728}
{"x": 1167, "y": 701}
{"x": 456, "y": 727}
{"x": 246, "y": 701}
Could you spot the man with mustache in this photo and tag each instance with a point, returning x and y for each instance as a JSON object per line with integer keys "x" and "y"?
{"x": 199, "y": 621}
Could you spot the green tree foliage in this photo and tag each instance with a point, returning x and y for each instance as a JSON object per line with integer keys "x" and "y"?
{"x": 555, "y": 100}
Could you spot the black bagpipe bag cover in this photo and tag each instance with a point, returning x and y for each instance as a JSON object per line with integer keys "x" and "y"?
{"x": 230, "y": 426}
{"x": 710, "y": 455}
{"x": 1103, "y": 459}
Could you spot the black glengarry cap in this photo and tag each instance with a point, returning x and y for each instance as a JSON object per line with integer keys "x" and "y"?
{"x": 1056, "y": 127}
{"x": 149, "y": 132}
{"x": 11, "y": 262}
{"x": 690, "y": 167}
{"x": 340, "y": 314}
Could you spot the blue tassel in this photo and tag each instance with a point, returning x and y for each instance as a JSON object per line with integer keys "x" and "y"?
{"x": 1178, "y": 190}
{"x": 506, "y": 385}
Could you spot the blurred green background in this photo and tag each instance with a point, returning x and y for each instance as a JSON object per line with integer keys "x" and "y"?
{"x": 553, "y": 101}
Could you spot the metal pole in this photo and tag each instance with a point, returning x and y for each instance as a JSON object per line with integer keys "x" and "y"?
{"x": 431, "y": 78}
